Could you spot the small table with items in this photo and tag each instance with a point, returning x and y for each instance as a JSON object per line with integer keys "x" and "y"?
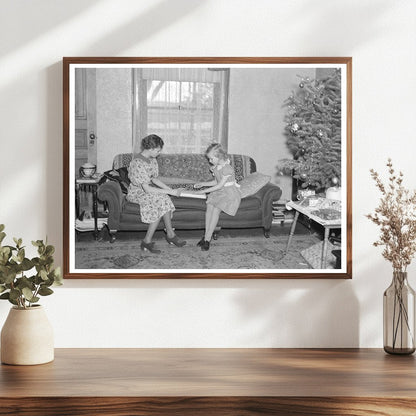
{"x": 326, "y": 212}
{"x": 89, "y": 184}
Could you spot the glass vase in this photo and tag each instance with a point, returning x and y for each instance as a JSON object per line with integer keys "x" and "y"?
{"x": 399, "y": 316}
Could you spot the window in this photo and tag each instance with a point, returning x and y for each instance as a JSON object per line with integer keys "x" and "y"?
{"x": 186, "y": 107}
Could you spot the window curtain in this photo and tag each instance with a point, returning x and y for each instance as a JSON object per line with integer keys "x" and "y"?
{"x": 187, "y": 107}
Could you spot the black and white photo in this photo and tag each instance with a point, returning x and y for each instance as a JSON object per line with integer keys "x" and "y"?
{"x": 207, "y": 167}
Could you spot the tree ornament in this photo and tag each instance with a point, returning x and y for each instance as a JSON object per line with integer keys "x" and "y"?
{"x": 303, "y": 176}
{"x": 301, "y": 85}
{"x": 294, "y": 127}
{"x": 334, "y": 192}
{"x": 335, "y": 110}
{"x": 319, "y": 133}
{"x": 301, "y": 151}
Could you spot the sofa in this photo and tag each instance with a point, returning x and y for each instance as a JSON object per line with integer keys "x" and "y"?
{"x": 183, "y": 170}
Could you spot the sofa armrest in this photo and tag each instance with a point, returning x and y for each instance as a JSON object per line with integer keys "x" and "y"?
{"x": 110, "y": 192}
{"x": 267, "y": 195}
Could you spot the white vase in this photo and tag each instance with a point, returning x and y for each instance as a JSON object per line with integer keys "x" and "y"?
{"x": 27, "y": 337}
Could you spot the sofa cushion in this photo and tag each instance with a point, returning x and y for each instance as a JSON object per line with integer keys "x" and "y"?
{"x": 189, "y": 203}
{"x": 243, "y": 166}
{"x": 249, "y": 203}
{"x": 192, "y": 166}
{"x": 253, "y": 183}
{"x": 122, "y": 160}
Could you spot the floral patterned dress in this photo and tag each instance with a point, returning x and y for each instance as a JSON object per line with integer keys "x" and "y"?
{"x": 228, "y": 198}
{"x": 152, "y": 206}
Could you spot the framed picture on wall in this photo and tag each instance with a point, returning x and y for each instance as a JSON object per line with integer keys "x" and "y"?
{"x": 207, "y": 167}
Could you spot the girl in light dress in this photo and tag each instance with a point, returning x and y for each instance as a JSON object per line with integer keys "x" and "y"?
{"x": 151, "y": 194}
{"x": 224, "y": 193}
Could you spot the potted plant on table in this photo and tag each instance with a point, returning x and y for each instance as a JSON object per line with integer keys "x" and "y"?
{"x": 27, "y": 336}
{"x": 396, "y": 216}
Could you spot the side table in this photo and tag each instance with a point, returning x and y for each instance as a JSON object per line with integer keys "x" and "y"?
{"x": 89, "y": 185}
{"x": 308, "y": 211}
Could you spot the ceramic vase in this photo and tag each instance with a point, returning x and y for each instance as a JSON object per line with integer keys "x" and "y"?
{"x": 27, "y": 337}
{"x": 399, "y": 316}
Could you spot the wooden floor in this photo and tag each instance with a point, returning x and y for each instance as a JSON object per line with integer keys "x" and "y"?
{"x": 212, "y": 382}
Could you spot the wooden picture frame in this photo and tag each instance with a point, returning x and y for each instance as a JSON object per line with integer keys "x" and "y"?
{"x": 263, "y": 107}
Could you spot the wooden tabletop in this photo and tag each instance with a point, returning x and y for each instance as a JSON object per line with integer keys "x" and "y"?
{"x": 231, "y": 381}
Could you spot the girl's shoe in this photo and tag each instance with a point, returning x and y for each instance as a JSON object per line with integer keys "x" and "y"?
{"x": 175, "y": 240}
{"x": 149, "y": 247}
{"x": 201, "y": 241}
{"x": 205, "y": 245}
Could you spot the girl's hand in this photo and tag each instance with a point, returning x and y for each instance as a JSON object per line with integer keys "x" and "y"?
{"x": 177, "y": 192}
{"x": 198, "y": 185}
{"x": 174, "y": 192}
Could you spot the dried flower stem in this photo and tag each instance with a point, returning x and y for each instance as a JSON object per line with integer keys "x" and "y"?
{"x": 396, "y": 216}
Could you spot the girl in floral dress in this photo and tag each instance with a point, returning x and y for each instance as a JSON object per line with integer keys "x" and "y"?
{"x": 224, "y": 193}
{"x": 151, "y": 194}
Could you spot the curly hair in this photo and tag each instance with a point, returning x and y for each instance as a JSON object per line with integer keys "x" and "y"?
{"x": 152, "y": 141}
{"x": 217, "y": 151}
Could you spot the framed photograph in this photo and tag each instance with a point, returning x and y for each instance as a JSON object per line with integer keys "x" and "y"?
{"x": 207, "y": 167}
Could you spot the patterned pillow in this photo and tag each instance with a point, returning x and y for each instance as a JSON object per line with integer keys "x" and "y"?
{"x": 253, "y": 183}
{"x": 121, "y": 176}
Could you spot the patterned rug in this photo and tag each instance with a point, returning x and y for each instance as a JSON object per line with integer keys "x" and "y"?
{"x": 225, "y": 253}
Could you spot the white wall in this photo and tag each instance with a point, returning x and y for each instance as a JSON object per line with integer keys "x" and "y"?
{"x": 256, "y": 116}
{"x": 380, "y": 36}
{"x": 114, "y": 115}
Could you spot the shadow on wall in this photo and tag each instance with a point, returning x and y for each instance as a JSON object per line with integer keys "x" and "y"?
{"x": 315, "y": 313}
{"x": 44, "y": 17}
{"x": 300, "y": 313}
{"x": 156, "y": 18}
{"x": 348, "y": 25}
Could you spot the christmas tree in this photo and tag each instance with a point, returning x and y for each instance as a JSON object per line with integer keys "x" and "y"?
{"x": 314, "y": 132}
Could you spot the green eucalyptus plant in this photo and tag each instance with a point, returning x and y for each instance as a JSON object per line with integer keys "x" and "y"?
{"x": 15, "y": 285}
